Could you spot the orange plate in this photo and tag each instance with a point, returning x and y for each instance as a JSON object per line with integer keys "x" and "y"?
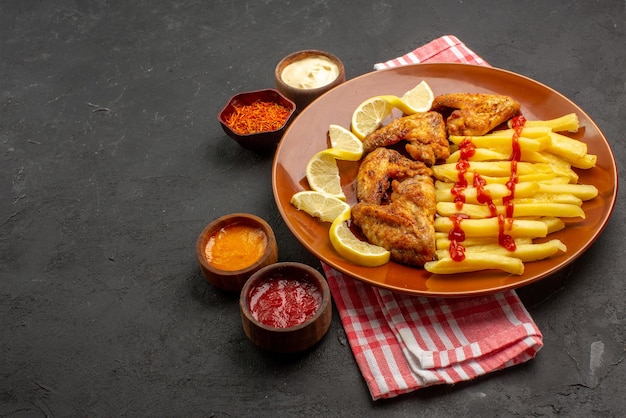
{"x": 308, "y": 134}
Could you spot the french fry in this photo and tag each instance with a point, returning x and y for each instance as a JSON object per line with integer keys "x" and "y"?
{"x": 481, "y": 244}
{"x": 561, "y": 166}
{"x": 476, "y": 262}
{"x": 525, "y": 252}
{"x": 443, "y": 191}
{"x": 563, "y": 123}
{"x": 533, "y": 132}
{"x": 449, "y": 171}
{"x": 503, "y": 140}
{"x": 550, "y": 177}
{"x": 565, "y": 198}
{"x": 588, "y": 161}
{"x": 499, "y": 154}
{"x": 582, "y": 191}
{"x": 553, "y": 224}
{"x": 563, "y": 210}
{"x": 568, "y": 148}
{"x": 490, "y": 227}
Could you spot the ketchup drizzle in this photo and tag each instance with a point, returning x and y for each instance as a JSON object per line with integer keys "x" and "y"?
{"x": 456, "y": 236}
{"x": 505, "y": 221}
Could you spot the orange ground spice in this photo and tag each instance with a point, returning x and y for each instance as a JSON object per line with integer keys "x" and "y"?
{"x": 259, "y": 116}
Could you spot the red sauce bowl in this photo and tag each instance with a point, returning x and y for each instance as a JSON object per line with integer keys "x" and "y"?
{"x": 264, "y": 142}
{"x": 299, "y": 284}
{"x": 233, "y": 280}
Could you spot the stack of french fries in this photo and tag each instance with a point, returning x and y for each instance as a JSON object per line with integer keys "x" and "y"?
{"x": 547, "y": 190}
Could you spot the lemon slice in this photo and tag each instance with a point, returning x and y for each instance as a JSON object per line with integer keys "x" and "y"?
{"x": 369, "y": 116}
{"x": 343, "y": 139}
{"x": 322, "y": 173}
{"x": 353, "y": 249}
{"x": 319, "y": 205}
{"x": 420, "y": 98}
{"x": 417, "y": 100}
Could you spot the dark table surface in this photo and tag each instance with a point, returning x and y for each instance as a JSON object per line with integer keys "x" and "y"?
{"x": 112, "y": 161}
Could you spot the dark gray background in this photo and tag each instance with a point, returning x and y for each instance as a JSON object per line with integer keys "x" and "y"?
{"x": 112, "y": 161}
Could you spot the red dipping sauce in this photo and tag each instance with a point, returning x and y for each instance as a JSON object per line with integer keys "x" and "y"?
{"x": 283, "y": 302}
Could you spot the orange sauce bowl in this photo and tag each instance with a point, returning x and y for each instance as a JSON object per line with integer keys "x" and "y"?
{"x": 286, "y": 307}
{"x": 233, "y": 247}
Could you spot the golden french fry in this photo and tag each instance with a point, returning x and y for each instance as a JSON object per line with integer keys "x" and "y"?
{"x": 480, "y": 244}
{"x": 562, "y": 210}
{"x": 542, "y": 177}
{"x": 582, "y": 191}
{"x": 503, "y": 140}
{"x": 553, "y": 224}
{"x": 525, "y": 252}
{"x": 532, "y": 132}
{"x": 499, "y": 154}
{"x": 565, "y": 198}
{"x": 563, "y": 123}
{"x": 450, "y": 173}
{"x": 554, "y": 180}
{"x": 568, "y": 148}
{"x": 490, "y": 227}
{"x": 476, "y": 262}
{"x": 481, "y": 154}
{"x": 443, "y": 191}
{"x": 587, "y": 162}
{"x": 561, "y": 166}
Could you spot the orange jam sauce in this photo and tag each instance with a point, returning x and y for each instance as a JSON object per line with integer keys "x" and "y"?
{"x": 235, "y": 247}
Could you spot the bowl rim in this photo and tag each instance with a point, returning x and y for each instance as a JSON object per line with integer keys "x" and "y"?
{"x": 292, "y": 109}
{"x": 292, "y": 57}
{"x": 231, "y": 219}
{"x": 320, "y": 283}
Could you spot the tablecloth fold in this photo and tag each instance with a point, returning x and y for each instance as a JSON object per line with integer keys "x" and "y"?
{"x": 402, "y": 342}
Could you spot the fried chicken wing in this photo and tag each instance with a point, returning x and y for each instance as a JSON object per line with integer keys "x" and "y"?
{"x": 401, "y": 221}
{"x": 379, "y": 168}
{"x": 475, "y": 114}
{"x": 424, "y": 132}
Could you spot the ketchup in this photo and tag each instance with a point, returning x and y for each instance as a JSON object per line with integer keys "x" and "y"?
{"x": 467, "y": 149}
{"x": 283, "y": 302}
{"x": 504, "y": 239}
{"x": 456, "y": 236}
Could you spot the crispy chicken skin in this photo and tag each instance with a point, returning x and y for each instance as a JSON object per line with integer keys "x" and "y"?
{"x": 403, "y": 221}
{"x": 475, "y": 114}
{"x": 377, "y": 170}
{"x": 424, "y": 132}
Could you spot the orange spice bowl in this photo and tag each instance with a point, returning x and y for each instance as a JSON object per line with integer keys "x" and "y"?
{"x": 224, "y": 250}
{"x": 265, "y": 141}
{"x": 302, "y": 97}
{"x": 286, "y": 307}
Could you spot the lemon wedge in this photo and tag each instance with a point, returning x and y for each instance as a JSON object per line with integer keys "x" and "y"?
{"x": 352, "y": 248}
{"x": 322, "y": 173}
{"x": 417, "y": 100}
{"x": 343, "y": 139}
{"x": 420, "y": 98}
{"x": 319, "y": 205}
{"x": 369, "y": 116}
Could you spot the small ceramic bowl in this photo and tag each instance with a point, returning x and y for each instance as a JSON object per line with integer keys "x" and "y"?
{"x": 302, "y": 97}
{"x": 294, "y": 325}
{"x": 222, "y": 271}
{"x": 262, "y": 141}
